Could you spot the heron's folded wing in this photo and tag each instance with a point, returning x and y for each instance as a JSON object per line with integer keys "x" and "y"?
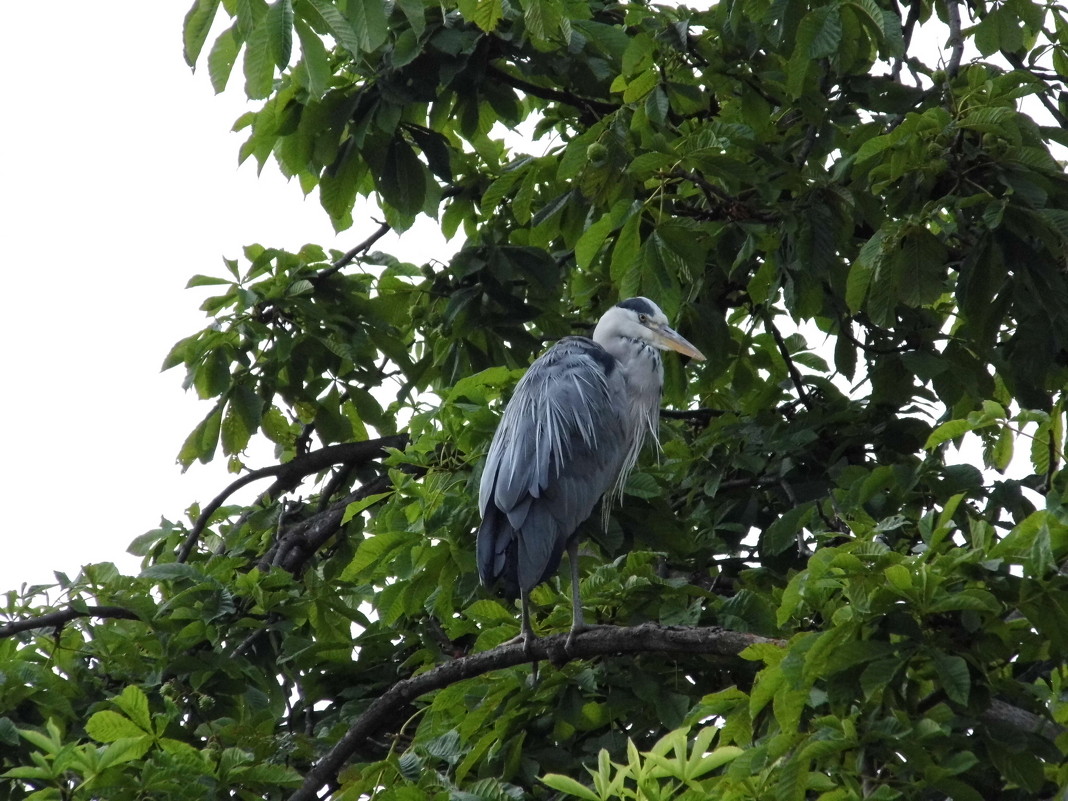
{"x": 558, "y": 448}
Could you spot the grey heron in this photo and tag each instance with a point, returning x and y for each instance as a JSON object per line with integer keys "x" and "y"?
{"x": 572, "y": 431}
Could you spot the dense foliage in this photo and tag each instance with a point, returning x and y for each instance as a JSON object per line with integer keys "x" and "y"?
{"x": 867, "y": 237}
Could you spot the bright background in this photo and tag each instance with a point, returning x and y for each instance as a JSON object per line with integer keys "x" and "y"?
{"x": 120, "y": 182}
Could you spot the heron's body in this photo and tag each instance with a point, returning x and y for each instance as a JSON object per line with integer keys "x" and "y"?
{"x": 571, "y": 432}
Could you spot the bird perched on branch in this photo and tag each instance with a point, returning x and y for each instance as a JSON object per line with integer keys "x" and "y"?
{"x": 572, "y": 431}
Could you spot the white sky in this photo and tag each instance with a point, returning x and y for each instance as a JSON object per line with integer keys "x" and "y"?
{"x": 120, "y": 182}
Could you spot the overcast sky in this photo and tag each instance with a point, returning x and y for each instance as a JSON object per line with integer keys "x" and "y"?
{"x": 120, "y": 182}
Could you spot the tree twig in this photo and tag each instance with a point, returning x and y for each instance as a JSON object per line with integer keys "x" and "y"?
{"x": 1018, "y": 63}
{"x": 795, "y": 374}
{"x": 289, "y": 474}
{"x": 601, "y": 641}
{"x": 702, "y": 415}
{"x": 63, "y": 616}
{"x": 383, "y": 229}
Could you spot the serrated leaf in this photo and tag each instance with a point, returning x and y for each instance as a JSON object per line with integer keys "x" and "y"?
{"x": 565, "y": 784}
{"x": 107, "y": 726}
{"x": 356, "y": 507}
{"x": 954, "y": 675}
{"x": 640, "y": 86}
{"x": 783, "y": 533}
{"x": 222, "y": 57}
{"x": 279, "y": 25}
{"x": 368, "y": 22}
{"x": 259, "y": 63}
{"x": 947, "y": 431}
{"x": 315, "y": 59}
{"x": 625, "y": 254}
{"x": 196, "y": 28}
{"x": 124, "y": 749}
{"x": 487, "y": 14}
{"x": 340, "y": 28}
{"x": 134, "y": 703}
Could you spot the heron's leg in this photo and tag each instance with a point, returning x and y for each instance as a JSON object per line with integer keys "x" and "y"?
{"x": 527, "y": 633}
{"x": 578, "y": 623}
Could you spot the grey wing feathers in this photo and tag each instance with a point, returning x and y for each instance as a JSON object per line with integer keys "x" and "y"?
{"x": 559, "y": 446}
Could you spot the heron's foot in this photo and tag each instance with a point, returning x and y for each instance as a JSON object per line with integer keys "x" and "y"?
{"x": 577, "y": 629}
{"x": 526, "y": 639}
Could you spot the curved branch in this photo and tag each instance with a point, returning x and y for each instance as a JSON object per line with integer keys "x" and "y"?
{"x": 53, "y": 619}
{"x": 289, "y": 474}
{"x": 601, "y": 641}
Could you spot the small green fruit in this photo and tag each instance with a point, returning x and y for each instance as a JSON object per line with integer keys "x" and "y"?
{"x": 597, "y": 154}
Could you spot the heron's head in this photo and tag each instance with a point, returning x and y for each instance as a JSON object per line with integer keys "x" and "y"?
{"x": 640, "y": 318}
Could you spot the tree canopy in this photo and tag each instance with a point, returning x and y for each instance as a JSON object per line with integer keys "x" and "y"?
{"x": 813, "y": 594}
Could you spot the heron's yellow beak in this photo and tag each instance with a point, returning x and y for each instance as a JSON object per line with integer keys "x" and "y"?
{"x": 669, "y": 338}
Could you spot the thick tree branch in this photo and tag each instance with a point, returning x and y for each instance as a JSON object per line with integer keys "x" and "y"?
{"x": 555, "y": 95}
{"x": 721, "y": 644}
{"x": 289, "y": 474}
{"x": 53, "y": 619}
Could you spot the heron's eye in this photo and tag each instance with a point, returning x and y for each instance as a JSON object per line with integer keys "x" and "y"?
{"x": 643, "y": 318}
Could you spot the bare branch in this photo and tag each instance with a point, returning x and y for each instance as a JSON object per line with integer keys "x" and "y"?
{"x": 53, "y": 619}
{"x": 383, "y": 229}
{"x": 289, "y": 474}
{"x": 601, "y": 641}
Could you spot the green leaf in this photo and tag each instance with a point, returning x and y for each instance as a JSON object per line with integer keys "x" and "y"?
{"x": 340, "y": 28}
{"x": 134, "y": 703}
{"x": 222, "y": 57}
{"x": 315, "y": 59}
{"x": 784, "y": 532}
{"x": 259, "y": 63}
{"x": 107, "y": 726}
{"x": 125, "y": 749}
{"x": 196, "y": 28}
{"x": 640, "y": 86}
{"x": 625, "y": 257}
{"x": 368, "y": 22}
{"x": 954, "y": 676}
{"x": 356, "y": 507}
{"x": 201, "y": 443}
{"x": 947, "y": 431}
{"x": 403, "y": 180}
{"x": 565, "y": 784}
{"x": 279, "y": 26}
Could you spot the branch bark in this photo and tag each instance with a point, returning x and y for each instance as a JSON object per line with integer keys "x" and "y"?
{"x": 64, "y": 616}
{"x": 715, "y": 642}
{"x": 289, "y": 474}
{"x": 955, "y": 40}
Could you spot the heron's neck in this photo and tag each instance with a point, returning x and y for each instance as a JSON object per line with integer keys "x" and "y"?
{"x": 644, "y": 372}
